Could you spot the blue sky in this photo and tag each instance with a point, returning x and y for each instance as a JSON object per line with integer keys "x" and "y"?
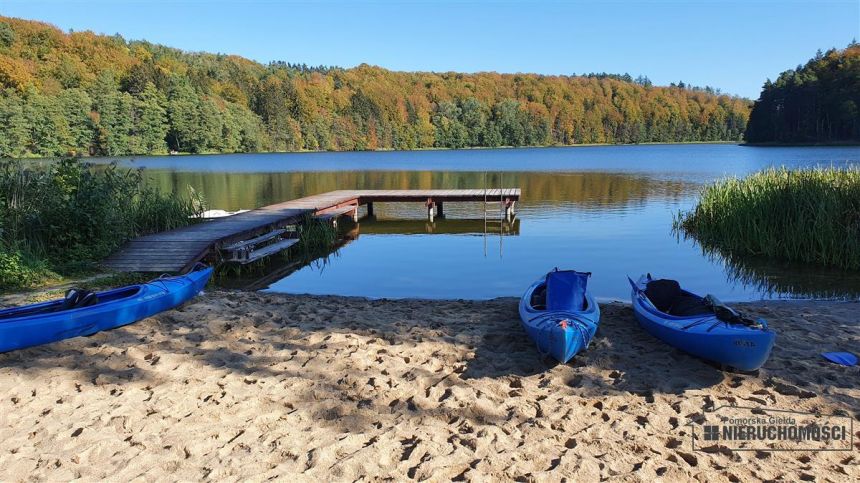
{"x": 733, "y": 45}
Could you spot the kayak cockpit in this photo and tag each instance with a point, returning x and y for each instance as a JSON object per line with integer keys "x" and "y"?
{"x": 665, "y": 299}
{"x": 538, "y": 298}
{"x": 62, "y": 305}
{"x": 668, "y": 297}
{"x": 537, "y": 301}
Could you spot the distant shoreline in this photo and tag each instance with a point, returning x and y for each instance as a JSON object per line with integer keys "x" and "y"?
{"x": 475, "y": 148}
{"x": 801, "y": 145}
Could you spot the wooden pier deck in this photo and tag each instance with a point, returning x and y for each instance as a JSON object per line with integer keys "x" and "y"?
{"x": 178, "y": 250}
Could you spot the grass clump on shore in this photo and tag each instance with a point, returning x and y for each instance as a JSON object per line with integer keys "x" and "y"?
{"x": 62, "y": 218}
{"x": 810, "y": 215}
{"x": 317, "y": 236}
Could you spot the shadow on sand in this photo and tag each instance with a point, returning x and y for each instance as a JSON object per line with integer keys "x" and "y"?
{"x": 405, "y": 356}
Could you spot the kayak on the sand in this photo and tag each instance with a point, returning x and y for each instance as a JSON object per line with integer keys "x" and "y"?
{"x": 559, "y": 314}
{"x": 85, "y": 313}
{"x": 701, "y": 326}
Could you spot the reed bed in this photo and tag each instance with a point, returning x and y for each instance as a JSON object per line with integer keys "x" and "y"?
{"x": 63, "y": 217}
{"x": 809, "y": 215}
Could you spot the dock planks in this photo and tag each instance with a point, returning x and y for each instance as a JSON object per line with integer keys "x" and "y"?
{"x": 178, "y": 250}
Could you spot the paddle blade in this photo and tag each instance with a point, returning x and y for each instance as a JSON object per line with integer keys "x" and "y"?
{"x": 841, "y": 358}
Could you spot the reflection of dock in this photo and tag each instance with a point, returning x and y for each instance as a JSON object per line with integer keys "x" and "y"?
{"x": 439, "y": 226}
{"x": 179, "y": 249}
{"x": 278, "y": 268}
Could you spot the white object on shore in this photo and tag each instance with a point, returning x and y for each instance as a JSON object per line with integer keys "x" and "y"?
{"x": 220, "y": 213}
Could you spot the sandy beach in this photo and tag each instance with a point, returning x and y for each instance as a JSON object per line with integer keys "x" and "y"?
{"x": 251, "y": 386}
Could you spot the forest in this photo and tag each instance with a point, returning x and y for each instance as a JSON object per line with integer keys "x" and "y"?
{"x": 815, "y": 103}
{"x": 80, "y": 93}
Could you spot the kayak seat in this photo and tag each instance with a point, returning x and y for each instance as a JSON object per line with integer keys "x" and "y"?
{"x": 76, "y": 298}
{"x": 90, "y": 298}
{"x": 663, "y": 293}
{"x": 667, "y": 297}
{"x": 689, "y": 305}
{"x": 538, "y": 300}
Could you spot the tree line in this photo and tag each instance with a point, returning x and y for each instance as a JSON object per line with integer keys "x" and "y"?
{"x": 83, "y": 93}
{"x": 815, "y": 103}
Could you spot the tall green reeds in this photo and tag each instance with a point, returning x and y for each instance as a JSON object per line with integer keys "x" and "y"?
{"x": 66, "y": 216}
{"x": 317, "y": 236}
{"x": 809, "y": 215}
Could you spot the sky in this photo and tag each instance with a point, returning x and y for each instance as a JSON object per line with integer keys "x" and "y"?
{"x": 731, "y": 45}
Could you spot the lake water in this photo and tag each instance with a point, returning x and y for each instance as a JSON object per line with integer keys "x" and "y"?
{"x": 607, "y": 210}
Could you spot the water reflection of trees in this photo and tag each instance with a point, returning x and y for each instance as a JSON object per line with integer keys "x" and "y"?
{"x": 233, "y": 191}
{"x": 781, "y": 279}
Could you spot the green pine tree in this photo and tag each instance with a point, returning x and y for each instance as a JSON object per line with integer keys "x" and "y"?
{"x": 150, "y": 115}
{"x": 14, "y": 127}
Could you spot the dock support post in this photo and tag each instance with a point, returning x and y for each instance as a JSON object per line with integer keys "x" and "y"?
{"x": 439, "y": 210}
{"x": 370, "y": 209}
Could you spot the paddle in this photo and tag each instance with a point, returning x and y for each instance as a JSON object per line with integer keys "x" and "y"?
{"x": 841, "y": 358}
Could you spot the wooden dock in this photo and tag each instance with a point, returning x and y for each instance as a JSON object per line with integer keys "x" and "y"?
{"x": 178, "y": 250}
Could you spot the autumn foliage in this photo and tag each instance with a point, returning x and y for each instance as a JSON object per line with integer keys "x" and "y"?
{"x": 84, "y": 93}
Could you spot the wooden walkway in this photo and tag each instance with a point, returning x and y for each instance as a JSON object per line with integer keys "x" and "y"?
{"x": 178, "y": 250}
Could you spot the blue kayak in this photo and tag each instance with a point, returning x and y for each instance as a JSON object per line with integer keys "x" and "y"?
{"x": 66, "y": 318}
{"x": 559, "y": 314}
{"x": 691, "y": 323}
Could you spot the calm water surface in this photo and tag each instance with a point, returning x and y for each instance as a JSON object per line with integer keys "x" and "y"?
{"x": 607, "y": 210}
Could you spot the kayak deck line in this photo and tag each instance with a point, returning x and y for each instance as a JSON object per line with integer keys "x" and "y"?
{"x": 179, "y": 249}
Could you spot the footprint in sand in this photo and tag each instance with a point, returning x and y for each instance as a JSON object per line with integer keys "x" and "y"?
{"x": 788, "y": 389}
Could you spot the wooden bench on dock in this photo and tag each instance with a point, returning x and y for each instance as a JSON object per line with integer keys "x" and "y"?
{"x": 250, "y": 250}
